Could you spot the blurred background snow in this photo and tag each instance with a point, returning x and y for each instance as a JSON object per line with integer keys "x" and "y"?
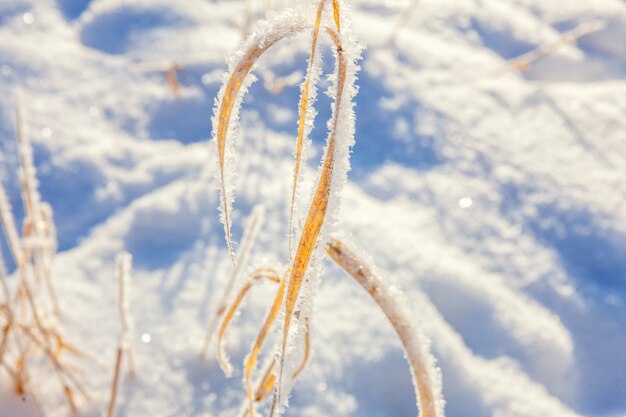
{"x": 495, "y": 199}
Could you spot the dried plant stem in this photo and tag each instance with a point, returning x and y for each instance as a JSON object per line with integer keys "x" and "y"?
{"x": 251, "y": 359}
{"x": 404, "y": 18}
{"x": 420, "y": 361}
{"x": 38, "y": 244}
{"x": 302, "y": 119}
{"x": 249, "y": 236}
{"x": 523, "y": 62}
{"x": 172, "y": 80}
{"x": 224, "y": 364}
{"x": 115, "y": 383}
{"x": 230, "y": 97}
{"x": 9, "y": 227}
{"x": 315, "y": 217}
{"x": 265, "y": 383}
{"x": 262, "y": 386}
{"x": 124, "y": 266}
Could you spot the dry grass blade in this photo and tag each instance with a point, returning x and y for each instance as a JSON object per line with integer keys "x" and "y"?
{"x": 336, "y": 15}
{"x": 223, "y": 361}
{"x": 404, "y": 18}
{"x": 5, "y": 308}
{"x": 315, "y": 216}
{"x": 523, "y": 62}
{"x": 302, "y": 118}
{"x": 251, "y": 359}
{"x": 230, "y": 97}
{"x": 262, "y": 386}
{"x": 265, "y": 384}
{"x": 124, "y": 265}
{"x": 27, "y": 175}
{"x": 38, "y": 243}
{"x": 249, "y": 235}
{"x": 172, "y": 80}
{"x": 9, "y": 227}
{"x": 114, "y": 385}
{"x": 425, "y": 375}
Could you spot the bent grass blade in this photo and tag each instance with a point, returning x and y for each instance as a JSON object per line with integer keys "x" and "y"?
{"x": 230, "y": 96}
{"x": 425, "y": 375}
{"x": 221, "y": 358}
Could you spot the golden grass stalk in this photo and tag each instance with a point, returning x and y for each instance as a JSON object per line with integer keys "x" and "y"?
{"x": 230, "y": 99}
{"x": 250, "y": 233}
{"x": 425, "y": 375}
{"x": 315, "y": 217}
{"x": 302, "y": 118}
{"x": 266, "y": 382}
{"x": 114, "y": 385}
{"x": 251, "y": 359}
{"x": 230, "y": 313}
{"x": 262, "y": 386}
{"x": 522, "y": 63}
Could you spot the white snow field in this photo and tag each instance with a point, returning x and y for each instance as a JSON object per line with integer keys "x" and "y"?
{"x": 495, "y": 199}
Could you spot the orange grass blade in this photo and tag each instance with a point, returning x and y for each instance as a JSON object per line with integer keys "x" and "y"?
{"x": 250, "y": 361}
{"x": 302, "y": 119}
{"x": 267, "y": 383}
{"x": 230, "y": 99}
{"x": 425, "y": 375}
{"x": 224, "y": 364}
{"x": 336, "y": 15}
{"x": 315, "y": 217}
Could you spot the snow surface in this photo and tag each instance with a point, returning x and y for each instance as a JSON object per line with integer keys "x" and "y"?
{"x": 495, "y": 200}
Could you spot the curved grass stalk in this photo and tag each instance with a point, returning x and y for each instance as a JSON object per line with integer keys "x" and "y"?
{"x": 251, "y": 359}
{"x": 426, "y": 378}
{"x": 265, "y": 384}
{"x": 222, "y": 360}
{"x": 230, "y": 100}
